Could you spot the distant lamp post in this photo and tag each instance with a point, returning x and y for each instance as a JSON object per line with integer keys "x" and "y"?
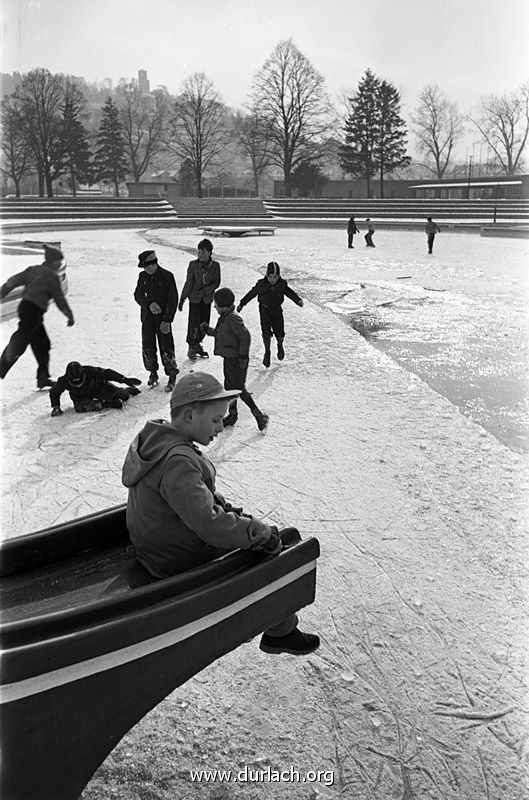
{"x": 469, "y": 177}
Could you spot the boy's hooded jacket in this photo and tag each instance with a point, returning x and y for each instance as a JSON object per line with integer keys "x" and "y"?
{"x": 175, "y": 517}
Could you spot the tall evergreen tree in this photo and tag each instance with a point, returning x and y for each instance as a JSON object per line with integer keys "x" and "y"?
{"x": 356, "y": 156}
{"x": 390, "y": 146}
{"x": 375, "y": 133}
{"x": 111, "y": 161}
{"x": 75, "y": 138}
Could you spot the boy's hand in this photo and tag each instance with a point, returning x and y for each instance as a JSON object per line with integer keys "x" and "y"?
{"x": 165, "y": 327}
{"x": 154, "y": 308}
{"x": 181, "y": 305}
{"x": 300, "y": 304}
{"x": 203, "y": 327}
{"x": 274, "y": 544}
{"x": 132, "y": 381}
{"x": 239, "y": 308}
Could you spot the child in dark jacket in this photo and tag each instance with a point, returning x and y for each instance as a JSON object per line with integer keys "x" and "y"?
{"x": 270, "y": 292}
{"x": 90, "y": 388}
{"x": 232, "y": 343}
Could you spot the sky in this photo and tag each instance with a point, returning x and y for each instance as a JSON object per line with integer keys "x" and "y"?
{"x": 469, "y": 48}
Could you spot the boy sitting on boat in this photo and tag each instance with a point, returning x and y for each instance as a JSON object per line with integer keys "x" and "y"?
{"x": 176, "y": 518}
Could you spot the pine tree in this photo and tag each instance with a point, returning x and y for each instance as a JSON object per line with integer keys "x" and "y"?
{"x": 75, "y": 138}
{"x": 111, "y": 161}
{"x": 390, "y": 147}
{"x": 356, "y": 156}
{"x": 375, "y": 135}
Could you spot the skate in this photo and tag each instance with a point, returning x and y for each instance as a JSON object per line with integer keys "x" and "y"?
{"x": 44, "y": 383}
{"x": 201, "y": 353}
{"x": 192, "y": 354}
{"x": 262, "y": 420}
{"x": 152, "y": 380}
{"x": 117, "y": 402}
{"x": 280, "y": 350}
{"x": 266, "y": 357}
{"x": 170, "y": 384}
{"x": 230, "y": 419}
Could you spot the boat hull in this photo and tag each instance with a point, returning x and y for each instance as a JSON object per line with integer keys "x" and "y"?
{"x": 75, "y": 681}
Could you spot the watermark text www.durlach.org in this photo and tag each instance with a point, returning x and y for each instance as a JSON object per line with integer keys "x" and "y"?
{"x": 264, "y": 775}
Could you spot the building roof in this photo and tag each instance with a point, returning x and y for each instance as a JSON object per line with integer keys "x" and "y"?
{"x": 464, "y": 183}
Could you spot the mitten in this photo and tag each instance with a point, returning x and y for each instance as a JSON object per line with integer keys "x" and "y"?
{"x": 154, "y": 308}
{"x": 70, "y": 322}
{"x": 56, "y": 411}
{"x": 239, "y": 308}
{"x": 300, "y": 304}
{"x": 274, "y": 544}
{"x": 165, "y": 327}
{"x": 132, "y": 381}
{"x": 181, "y": 305}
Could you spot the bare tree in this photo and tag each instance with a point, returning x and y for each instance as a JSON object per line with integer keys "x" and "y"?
{"x": 40, "y": 98}
{"x": 16, "y": 154}
{"x": 199, "y": 131}
{"x": 438, "y": 126}
{"x": 144, "y": 119}
{"x": 254, "y": 133}
{"x": 503, "y": 123}
{"x": 291, "y": 94}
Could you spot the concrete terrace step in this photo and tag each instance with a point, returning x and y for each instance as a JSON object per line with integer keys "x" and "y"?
{"x": 221, "y": 207}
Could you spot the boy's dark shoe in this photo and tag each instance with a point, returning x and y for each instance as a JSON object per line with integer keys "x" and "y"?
{"x": 266, "y": 357}
{"x": 115, "y": 403}
{"x": 201, "y": 353}
{"x": 262, "y": 420}
{"x": 169, "y": 386}
{"x": 280, "y": 350}
{"x": 192, "y": 354}
{"x": 230, "y": 419}
{"x": 296, "y": 643}
{"x": 44, "y": 383}
{"x": 153, "y": 379}
{"x": 133, "y": 391}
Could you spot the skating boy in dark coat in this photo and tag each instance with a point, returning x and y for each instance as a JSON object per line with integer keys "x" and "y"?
{"x": 270, "y": 292}
{"x": 232, "y": 343}
{"x": 176, "y": 517}
{"x": 369, "y": 235}
{"x": 351, "y": 230}
{"x": 157, "y": 295}
{"x": 41, "y": 284}
{"x": 90, "y": 390}
{"x": 203, "y": 278}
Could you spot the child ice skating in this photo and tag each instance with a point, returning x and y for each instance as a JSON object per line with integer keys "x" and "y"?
{"x": 41, "y": 284}
{"x": 351, "y": 230}
{"x": 369, "y": 235}
{"x": 430, "y": 229}
{"x": 176, "y": 518}
{"x": 90, "y": 388}
{"x": 203, "y": 278}
{"x": 232, "y": 343}
{"x": 270, "y": 292}
{"x": 157, "y": 295}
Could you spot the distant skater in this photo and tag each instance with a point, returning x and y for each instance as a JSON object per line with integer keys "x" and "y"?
{"x": 430, "y": 229}
{"x": 232, "y": 343}
{"x": 90, "y": 388}
{"x": 270, "y": 292}
{"x": 203, "y": 278}
{"x": 351, "y": 230}
{"x": 41, "y": 284}
{"x": 369, "y": 235}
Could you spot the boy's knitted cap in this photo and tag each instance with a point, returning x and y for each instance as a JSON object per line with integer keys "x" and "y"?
{"x": 147, "y": 257}
{"x": 199, "y": 387}
{"x": 224, "y": 297}
{"x": 75, "y": 373}
{"x": 273, "y": 268}
{"x": 52, "y": 254}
